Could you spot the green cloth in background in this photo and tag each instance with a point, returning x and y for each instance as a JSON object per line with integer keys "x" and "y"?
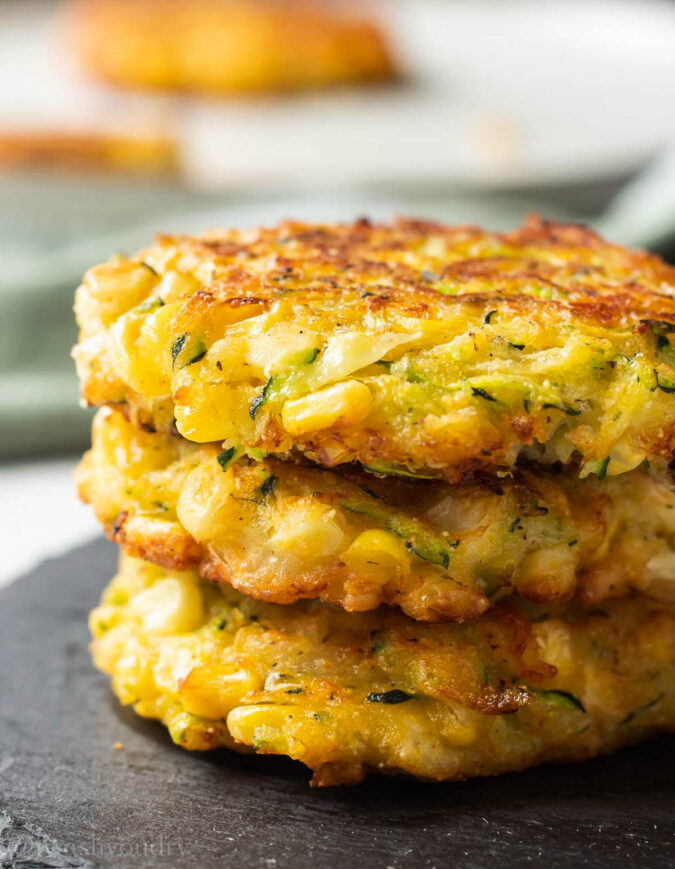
{"x": 52, "y": 228}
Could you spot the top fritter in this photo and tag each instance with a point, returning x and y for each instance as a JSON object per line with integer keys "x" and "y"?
{"x": 414, "y": 348}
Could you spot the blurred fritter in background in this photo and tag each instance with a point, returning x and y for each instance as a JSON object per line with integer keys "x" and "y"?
{"x": 119, "y": 118}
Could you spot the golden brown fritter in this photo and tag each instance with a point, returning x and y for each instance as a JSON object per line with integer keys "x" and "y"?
{"x": 412, "y": 348}
{"x": 78, "y": 150}
{"x": 227, "y": 46}
{"x": 281, "y": 532}
{"x": 346, "y": 693}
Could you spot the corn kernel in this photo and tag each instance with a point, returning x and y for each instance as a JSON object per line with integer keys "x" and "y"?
{"x": 463, "y": 734}
{"x": 380, "y": 546}
{"x": 193, "y": 734}
{"x": 308, "y": 531}
{"x": 102, "y": 619}
{"x": 548, "y": 573}
{"x": 661, "y": 576}
{"x": 141, "y": 352}
{"x": 347, "y": 403}
{"x": 203, "y": 501}
{"x": 211, "y": 691}
{"x": 109, "y": 290}
{"x": 624, "y": 458}
{"x": 460, "y": 728}
{"x": 207, "y": 411}
{"x": 171, "y": 606}
{"x": 132, "y": 676}
{"x": 262, "y": 726}
{"x": 555, "y": 645}
{"x": 177, "y": 285}
{"x": 107, "y": 649}
{"x": 176, "y": 656}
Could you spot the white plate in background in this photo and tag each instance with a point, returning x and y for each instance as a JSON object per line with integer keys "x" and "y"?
{"x": 500, "y": 93}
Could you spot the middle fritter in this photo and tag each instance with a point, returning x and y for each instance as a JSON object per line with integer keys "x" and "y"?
{"x": 281, "y": 532}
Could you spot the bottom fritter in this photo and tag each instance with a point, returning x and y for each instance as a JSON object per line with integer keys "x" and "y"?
{"x": 346, "y": 693}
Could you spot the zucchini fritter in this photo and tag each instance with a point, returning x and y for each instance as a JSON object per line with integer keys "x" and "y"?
{"x": 73, "y": 150}
{"x": 281, "y": 532}
{"x": 412, "y": 348}
{"x": 224, "y": 46}
{"x": 348, "y": 693}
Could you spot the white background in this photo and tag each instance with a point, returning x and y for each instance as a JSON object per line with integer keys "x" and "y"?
{"x": 40, "y": 515}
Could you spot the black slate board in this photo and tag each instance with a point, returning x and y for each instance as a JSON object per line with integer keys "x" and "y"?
{"x": 68, "y": 799}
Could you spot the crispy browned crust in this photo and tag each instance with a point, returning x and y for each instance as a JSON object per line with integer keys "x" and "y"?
{"x": 170, "y": 546}
{"x": 602, "y": 282}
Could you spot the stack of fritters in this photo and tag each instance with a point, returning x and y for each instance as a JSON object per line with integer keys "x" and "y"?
{"x": 391, "y": 497}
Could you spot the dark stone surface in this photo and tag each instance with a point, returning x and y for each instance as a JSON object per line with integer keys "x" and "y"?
{"x": 68, "y": 799}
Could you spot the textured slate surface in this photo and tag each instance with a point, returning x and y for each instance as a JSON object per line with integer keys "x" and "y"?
{"x": 68, "y": 799}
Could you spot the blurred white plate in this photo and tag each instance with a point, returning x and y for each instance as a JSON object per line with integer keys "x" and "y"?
{"x": 500, "y": 93}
